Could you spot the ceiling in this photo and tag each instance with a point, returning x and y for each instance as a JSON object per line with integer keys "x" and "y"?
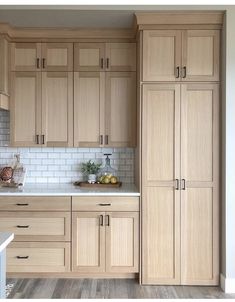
{"x": 114, "y": 16}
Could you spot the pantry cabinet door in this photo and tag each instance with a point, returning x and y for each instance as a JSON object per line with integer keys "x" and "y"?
{"x": 200, "y": 196}
{"x": 161, "y": 55}
{"x": 57, "y": 56}
{"x": 120, "y": 56}
{"x": 89, "y": 56}
{"x": 120, "y": 109}
{"x": 25, "y": 56}
{"x": 57, "y": 109}
{"x": 122, "y": 242}
{"x": 25, "y": 108}
{"x": 201, "y": 52}
{"x": 88, "y": 242}
{"x": 89, "y": 89}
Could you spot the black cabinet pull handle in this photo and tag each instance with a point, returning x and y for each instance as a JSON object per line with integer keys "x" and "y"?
{"x": 101, "y": 139}
{"x": 184, "y": 184}
{"x": 107, "y": 62}
{"x": 43, "y": 139}
{"x": 38, "y": 63}
{"x": 177, "y": 184}
{"x": 22, "y": 204}
{"x": 101, "y": 220}
{"x": 43, "y": 63}
{"x": 37, "y": 139}
{"x": 185, "y": 72}
{"x": 104, "y": 204}
{"x": 102, "y": 63}
{"x": 22, "y": 226}
{"x": 22, "y": 257}
{"x": 108, "y": 220}
{"x": 177, "y": 72}
{"x": 106, "y": 139}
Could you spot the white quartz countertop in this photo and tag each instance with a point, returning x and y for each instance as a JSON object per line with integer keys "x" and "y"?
{"x": 68, "y": 190}
{"x": 5, "y": 239}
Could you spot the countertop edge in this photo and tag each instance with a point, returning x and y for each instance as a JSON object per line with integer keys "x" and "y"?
{"x": 5, "y": 239}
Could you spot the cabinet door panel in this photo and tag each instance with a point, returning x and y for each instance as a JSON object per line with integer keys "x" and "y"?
{"x": 122, "y": 240}
{"x": 120, "y": 109}
{"x": 88, "y": 242}
{"x": 201, "y": 55}
{"x": 24, "y": 56}
{"x": 120, "y": 56}
{"x": 161, "y": 235}
{"x": 199, "y": 166}
{"x": 88, "y": 108}
{"x": 25, "y": 108}
{"x": 4, "y": 67}
{"x": 161, "y": 134}
{"x": 57, "y": 108}
{"x": 89, "y": 56}
{"x": 57, "y": 56}
{"x": 161, "y": 55}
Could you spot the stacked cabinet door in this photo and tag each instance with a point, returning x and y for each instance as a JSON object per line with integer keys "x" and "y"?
{"x": 180, "y": 184}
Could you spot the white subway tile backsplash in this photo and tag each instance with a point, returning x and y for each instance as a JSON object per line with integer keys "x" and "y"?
{"x": 62, "y": 165}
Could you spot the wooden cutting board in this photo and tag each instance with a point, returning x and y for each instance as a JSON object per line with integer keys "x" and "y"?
{"x": 96, "y": 185}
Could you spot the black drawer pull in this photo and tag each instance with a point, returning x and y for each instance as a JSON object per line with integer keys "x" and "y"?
{"x": 22, "y": 204}
{"x": 105, "y": 204}
{"x": 22, "y": 226}
{"x": 22, "y": 257}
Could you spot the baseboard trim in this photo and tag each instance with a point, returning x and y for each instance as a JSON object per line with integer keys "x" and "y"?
{"x": 227, "y": 284}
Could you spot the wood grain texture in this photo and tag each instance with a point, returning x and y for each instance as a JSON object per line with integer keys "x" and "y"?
{"x": 4, "y": 68}
{"x": 35, "y": 203}
{"x": 161, "y": 55}
{"x": 89, "y": 98}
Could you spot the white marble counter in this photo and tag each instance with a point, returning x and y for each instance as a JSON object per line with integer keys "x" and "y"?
{"x": 5, "y": 239}
{"x": 68, "y": 190}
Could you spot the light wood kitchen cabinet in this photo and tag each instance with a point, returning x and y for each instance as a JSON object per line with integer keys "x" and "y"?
{"x": 180, "y": 184}
{"x": 25, "y": 122}
{"x": 185, "y": 55}
{"x": 57, "y": 109}
{"x": 41, "y": 56}
{"x": 105, "y": 109}
{"x": 4, "y": 74}
{"x": 104, "y": 57}
{"x": 42, "y": 109}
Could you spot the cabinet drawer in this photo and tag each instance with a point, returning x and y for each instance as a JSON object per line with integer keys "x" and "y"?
{"x": 35, "y": 203}
{"x": 37, "y": 226}
{"x": 105, "y": 203}
{"x": 38, "y": 257}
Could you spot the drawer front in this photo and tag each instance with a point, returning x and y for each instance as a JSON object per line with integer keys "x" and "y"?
{"x": 37, "y": 226}
{"x": 34, "y": 203}
{"x": 105, "y": 203}
{"x": 38, "y": 257}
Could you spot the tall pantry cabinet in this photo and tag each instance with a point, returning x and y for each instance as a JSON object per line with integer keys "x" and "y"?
{"x": 180, "y": 142}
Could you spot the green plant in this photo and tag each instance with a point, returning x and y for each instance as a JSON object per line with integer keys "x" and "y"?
{"x": 90, "y": 167}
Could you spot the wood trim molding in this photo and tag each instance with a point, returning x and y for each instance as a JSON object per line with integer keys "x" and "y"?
{"x": 179, "y": 18}
{"x": 66, "y": 33}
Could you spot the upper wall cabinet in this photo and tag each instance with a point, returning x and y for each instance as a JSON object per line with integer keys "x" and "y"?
{"x": 4, "y": 68}
{"x": 42, "y": 56}
{"x": 180, "y": 55}
{"x": 104, "y": 56}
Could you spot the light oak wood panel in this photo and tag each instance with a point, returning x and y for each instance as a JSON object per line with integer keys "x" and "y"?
{"x": 89, "y": 98}
{"x": 200, "y": 55}
{"x": 57, "y": 109}
{"x": 161, "y": 134}
{"x": 42, "y": 257}
{"x": 24, "y": 56}
{"x": 120, "y": 56}
{"x": 107, "y": 203}
{"x": 120, "y": 109}
{"x": 160, "y": 235}
{"x": 88, "y": 254}
{"x": 57, "y": 56}
{"x": 25, "y": 106}
{"x": 37, "y": 226}
{"x": 122, "y": 242}
{"x": 89, "y": 56}
{"x": 4, "y": 102}
{"x": 161, "y": 55}
{"x": 4, "y": 67}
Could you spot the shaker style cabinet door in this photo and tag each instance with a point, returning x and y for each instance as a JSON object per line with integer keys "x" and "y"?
{"x": 88, "y": 242}
{"x": 161, "y": 55}
{"x": 200, "y": 55}
{"x": 199, "y": 194}
{"x": 89, "y": 56}
{"x": 89, "y": 90}
{"x": 57, "y": 56}
{"x": 161, "y": 195}
{"x": 57, "y": 109}
{"x": 25, "y": 102}
{"x": 120, "y": 56}
{"x": 25, "y": 56}
{"x": 120, "y": 109}
{"x": 122, "y": 242}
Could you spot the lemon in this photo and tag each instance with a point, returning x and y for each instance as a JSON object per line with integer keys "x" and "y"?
{"x": 113, "y": 180}
{"x": 106, "y": 180}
